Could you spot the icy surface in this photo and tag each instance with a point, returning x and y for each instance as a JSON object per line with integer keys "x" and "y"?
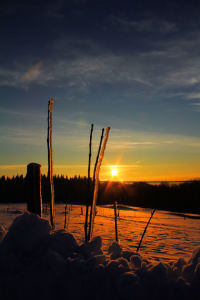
{"x": 36, "y": 263}
{"x": 168, "y": 237}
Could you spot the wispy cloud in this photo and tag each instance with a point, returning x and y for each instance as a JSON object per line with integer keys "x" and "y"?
{"x": 168, "y": 65}
{"x": 33, "y": 74}
{"x": 145, "y": 25}
{"x": 20, "y": 135}
{"x": 9, "y": 77}
{"x": 116, "y": 145}
{"x": 11, "y": 166}
{"x": 25, "y": 114}
{"x": 21, "y": 76}
{"x": 194, "y": 96}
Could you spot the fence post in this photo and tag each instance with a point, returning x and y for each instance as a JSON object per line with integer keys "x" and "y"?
{"x": 34, "y": 202}
{"x": 116, "y": 230}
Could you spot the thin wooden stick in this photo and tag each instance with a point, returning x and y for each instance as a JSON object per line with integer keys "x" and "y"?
{"x": 116, "y": 230}
{"x": 145, "y": 230}
{"x": 65, "y": 221}
{"x": 89, "y": 185}
{"x": 93, "y": 184}
{"x": 97, "y": 179}
{"x": 68, "y": 214}
{"x": 50, "y": 161}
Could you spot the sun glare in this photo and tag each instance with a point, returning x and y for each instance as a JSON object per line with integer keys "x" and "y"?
{"x": 114, "y": 172}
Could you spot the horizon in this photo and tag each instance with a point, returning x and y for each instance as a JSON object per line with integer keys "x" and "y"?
{"x": 13, "y": 171}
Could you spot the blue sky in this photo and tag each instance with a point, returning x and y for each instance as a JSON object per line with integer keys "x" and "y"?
{"x": 133, "y": 66}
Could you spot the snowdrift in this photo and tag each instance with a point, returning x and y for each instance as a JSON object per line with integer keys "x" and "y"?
{"x": 36, "y": 263}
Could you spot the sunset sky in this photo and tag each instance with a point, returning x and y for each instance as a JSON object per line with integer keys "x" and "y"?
{"x": 131, "y": 65}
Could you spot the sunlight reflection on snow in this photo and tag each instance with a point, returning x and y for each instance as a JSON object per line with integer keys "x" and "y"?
{"x": 168, "y": 236}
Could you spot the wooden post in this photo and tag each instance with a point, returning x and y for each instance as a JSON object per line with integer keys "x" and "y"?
{"x": 34, "y": 203}
{"x": 116, "y": 230}
{"x": 93, "y": 185}
{"x": 96, "y": 185}
{"x": 50, "y": 161}
{"x": 65, "y": 222}
{"x": 89, "y": 186}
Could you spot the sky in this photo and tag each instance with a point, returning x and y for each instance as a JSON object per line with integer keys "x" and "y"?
{"x": 130, "y": 65}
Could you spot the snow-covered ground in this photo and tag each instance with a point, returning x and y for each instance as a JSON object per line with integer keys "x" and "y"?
{"x": 36, "y": 263}
{"x": 168, "y": 237}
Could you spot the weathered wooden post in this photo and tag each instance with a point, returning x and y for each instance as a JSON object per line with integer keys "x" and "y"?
{"x": 89, "y": 186}
{"x": 93, "y": 185}
{"x": 34, "y": 203}
{"x": 50, "y": 161}
{"x": 96, "y": 184}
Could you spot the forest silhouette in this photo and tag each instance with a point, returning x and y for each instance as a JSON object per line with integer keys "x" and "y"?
{"x": 183, "y": 197}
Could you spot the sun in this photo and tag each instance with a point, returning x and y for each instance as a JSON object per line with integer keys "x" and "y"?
{"x": 114, "y": 172}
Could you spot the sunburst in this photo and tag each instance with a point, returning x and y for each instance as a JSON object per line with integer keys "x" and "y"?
{"x": 114, "y": 172}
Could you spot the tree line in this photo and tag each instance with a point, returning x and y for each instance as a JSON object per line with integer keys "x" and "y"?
{"x": 184, "y": 197}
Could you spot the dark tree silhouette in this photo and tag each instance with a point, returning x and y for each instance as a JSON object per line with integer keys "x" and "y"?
{"x": 182, "y": 197}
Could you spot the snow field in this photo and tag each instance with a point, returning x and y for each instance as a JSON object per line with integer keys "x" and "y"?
{"x": 36, "y": 263}
{"x": 168, "y": 236}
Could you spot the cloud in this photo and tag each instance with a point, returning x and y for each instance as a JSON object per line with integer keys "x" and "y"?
{"x": 146, "y": 25}
{"x": 2, "y": 167}
{"x": 33, "y": 74}
{"x": 115, "y": 145}
{"x": 173, "y": 66}
{"x": 20, "y": 135}
{"x": 194, "y": 95}
{"x": 22, "y": 77}
{"x": 9, "y": 77}
{"x": 25, "y": 114}
{"x": 137, "y": 165}
{"x": 164, "y": 67}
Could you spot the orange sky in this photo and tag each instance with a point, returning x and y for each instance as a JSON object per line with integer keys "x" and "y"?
{"x": 138, "y": 156}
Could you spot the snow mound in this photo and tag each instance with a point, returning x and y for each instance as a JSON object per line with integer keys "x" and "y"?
{"x": 25, "y": 234}
{"x": 115, "y": 250}
{"x": 63, "y": 243}
{"x": 93, "y": 247}
{"x": 36, "y": 263}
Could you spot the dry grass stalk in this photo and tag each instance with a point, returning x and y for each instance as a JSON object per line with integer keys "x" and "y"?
{"x": 97, "y": 180}
{"x": 89, "y": 185}
{"x": 50, "y": 161}
{"x": 138, "y": 248}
